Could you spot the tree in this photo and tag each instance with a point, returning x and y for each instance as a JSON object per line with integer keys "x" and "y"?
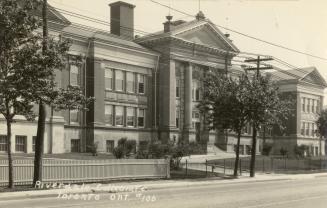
{"x": 54, "y": 53}
{"x": 321, "y": 127}
{"x": 225, "y": 100}
{"x": 27, "y": 72}
{"x": 266, "y": 108}
{"x": 16, "y": 40}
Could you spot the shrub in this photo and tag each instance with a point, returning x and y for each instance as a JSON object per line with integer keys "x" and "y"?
{"x": 283, "y": 151}
{"x": 125, "y": 148}
{"x": 300, "y": 150}
{"x": 94, "y": 149}
{"x": 266, "y": 149}
{"x": 118, "y": 152}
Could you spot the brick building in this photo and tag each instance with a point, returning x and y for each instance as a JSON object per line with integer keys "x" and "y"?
{"x": 146, "y": 87}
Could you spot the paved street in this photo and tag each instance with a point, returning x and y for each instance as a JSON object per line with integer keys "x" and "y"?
{"x": 300, "y": 193}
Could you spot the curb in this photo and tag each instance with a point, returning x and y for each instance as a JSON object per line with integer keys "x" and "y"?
{"x": 147, "y": 187}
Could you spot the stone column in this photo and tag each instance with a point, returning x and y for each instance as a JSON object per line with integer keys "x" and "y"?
{"x": 187, "y": 100}
{"x": 172, "y": 94}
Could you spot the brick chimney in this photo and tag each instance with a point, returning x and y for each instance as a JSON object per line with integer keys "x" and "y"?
{"x": 122, "y": 19}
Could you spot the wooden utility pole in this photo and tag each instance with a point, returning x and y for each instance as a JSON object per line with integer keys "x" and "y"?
{"x": 254, "y": 133}
{"x": 39, "y": 143}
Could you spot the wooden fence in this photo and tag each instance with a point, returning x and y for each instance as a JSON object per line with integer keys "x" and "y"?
{"x": 69, "y": 171}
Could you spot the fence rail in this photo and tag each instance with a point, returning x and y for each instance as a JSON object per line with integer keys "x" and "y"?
{"x": 263, "y": 165}
{"x": 69, "y": 171}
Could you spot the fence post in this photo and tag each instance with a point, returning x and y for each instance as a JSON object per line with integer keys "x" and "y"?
{"x": 263, "y": 165}
{"x": 186, "y": 167}
{"x": 168, "y": 167}
{"x": 285, "y": 163}
{"x": 224, "y": 167}
{"x": 240, "y": 167}
{"x": 206, "y": 168}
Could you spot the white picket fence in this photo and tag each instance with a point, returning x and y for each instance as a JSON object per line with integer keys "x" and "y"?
{"x": 70, "y": 171}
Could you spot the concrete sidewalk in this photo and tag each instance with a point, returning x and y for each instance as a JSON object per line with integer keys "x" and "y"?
{"x": 120, "y": 187}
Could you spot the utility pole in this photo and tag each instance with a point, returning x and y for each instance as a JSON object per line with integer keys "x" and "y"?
{"x": 39, "y": 143}
{"x": 254, "y": 133}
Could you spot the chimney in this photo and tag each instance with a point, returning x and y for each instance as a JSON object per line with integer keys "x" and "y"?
{"x": 122, "y": 19}
{"x": 200, "y": 16}
{"x": 168, "y": 24}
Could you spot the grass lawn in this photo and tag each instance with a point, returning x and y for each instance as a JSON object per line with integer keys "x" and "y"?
{"x": 194, "y": 174}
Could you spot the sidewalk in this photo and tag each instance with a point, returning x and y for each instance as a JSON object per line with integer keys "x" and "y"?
{"x": 120, "y": 187}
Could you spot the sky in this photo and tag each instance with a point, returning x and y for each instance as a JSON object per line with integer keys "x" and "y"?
{"x": 296, "y": 24}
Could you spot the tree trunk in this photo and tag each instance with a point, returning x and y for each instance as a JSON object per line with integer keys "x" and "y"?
{"x": 237, "y": 159}
{"x": 10, "y": 161}
{"x": 253, "y": 152}
{"x": 320, "y": 146}
{"x": 42, "y": 111}
{"x": 39, "y": 144}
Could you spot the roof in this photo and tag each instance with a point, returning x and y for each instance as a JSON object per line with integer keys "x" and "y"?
{"x": 102, "y": 36}
{"x": 306, "y": 75}
{"x": 179, "y": 27}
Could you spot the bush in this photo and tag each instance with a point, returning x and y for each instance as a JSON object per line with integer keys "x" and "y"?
{"x": 266, "y": 149}
{"x": 125, "y": 148}
{"x": 118, "y": 152}
{"x": 94, "y": 149}
{"x": 283, "y": 151}
{"x": 300, "y": 150}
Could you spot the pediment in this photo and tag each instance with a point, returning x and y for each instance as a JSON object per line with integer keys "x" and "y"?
{"x": 208, "y": 36}
{"x": 314, "y": 77}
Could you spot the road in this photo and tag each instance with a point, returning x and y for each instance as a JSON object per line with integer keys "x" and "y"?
{"x": 304, "y": 193}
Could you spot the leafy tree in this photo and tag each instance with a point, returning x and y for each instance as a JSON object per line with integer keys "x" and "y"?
{"x": 27, "y": 70}
{"x": 266, "y": 108}
{"x": 16, "y": 40}
{"x": 321, "y": 127}
{"x": 226, "y": 102}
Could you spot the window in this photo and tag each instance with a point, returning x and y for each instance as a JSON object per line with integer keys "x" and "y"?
{"x": 307, "y": 130}
{"x": 195, "y": 114}
{"x": 73, "y": 116}
{"x": 33, "y": 143}
{"x": 248, "y": 149}
{"x": 74, "y": 75}
{"x": 313, "y": 129}
{"x": 195, "y": 91}
{"x": 313, "y": 106}
{"x": 317, "y": 151}
{"x": 308, "y": 106}
{"x": 140, "y": 118}
{"x": 119, "y": 80}
{"x": 119, "y": 116}
{"x": 177, "y": 88}
{"x": 302, "y": 128}
{"x": 110, "y": 145}
{"x": 20, "y": 143}
{"x": 108, "y": 78}
{"x": 130, "y": 82}
{"x": 303, "y": 104}
{"x": 3, "y": 143}
{"x": 141, "y": 83}
{"x": 108, "y": 114}
{"x": 177, "y": 118}
{"x": 318, "y": 106}
{"x": 75, "y": 145}
{"x": 130, "y": 117}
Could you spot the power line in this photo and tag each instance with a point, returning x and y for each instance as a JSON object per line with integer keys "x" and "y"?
{"x": 246, "y": 35}
{"x": 87, "y": 28}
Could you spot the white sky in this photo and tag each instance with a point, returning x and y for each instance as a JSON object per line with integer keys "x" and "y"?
{"x": 297, "y": 24}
